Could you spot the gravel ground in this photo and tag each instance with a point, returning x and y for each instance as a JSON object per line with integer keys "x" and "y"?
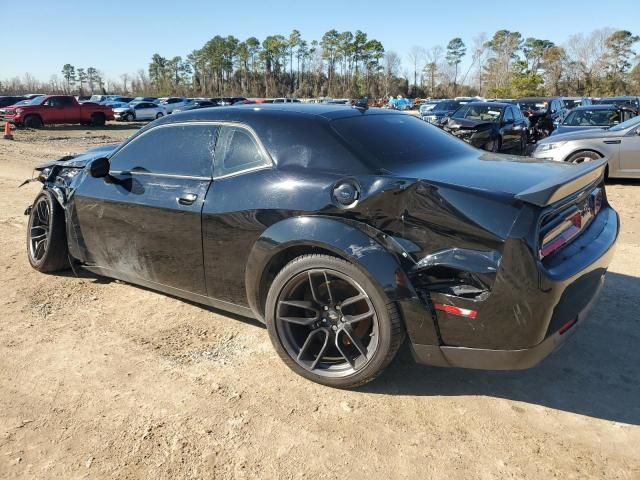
{"x": 101, "y": 379}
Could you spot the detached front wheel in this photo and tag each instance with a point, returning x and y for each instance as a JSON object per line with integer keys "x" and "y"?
{"x": 46, "y": 236}
{"x": 330, "y": 323}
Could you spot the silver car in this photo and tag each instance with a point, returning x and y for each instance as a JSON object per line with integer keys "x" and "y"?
{"x": 620, "y": 144}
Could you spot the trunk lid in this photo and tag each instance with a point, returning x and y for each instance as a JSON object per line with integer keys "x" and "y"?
{"x": 539, "y": 182}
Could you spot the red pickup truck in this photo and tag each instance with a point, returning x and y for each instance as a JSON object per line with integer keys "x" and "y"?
{"x": 51, "y": 109}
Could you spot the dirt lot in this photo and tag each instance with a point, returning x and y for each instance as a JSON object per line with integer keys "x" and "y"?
{"x": 101, "y": 379}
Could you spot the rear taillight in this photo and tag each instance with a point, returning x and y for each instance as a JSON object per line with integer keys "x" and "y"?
{"x": 559, "y": 229}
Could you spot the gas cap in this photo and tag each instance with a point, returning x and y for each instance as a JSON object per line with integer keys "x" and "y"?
{"x": 346, "y": 193}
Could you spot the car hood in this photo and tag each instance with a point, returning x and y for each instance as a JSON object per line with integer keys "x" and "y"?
{"x": 587, "y": 134}
{"x": 493, "y": 174}
{"x": 562, "y": 129}
{"x": 467, "y": 124}
{"x": 82, "y": 159}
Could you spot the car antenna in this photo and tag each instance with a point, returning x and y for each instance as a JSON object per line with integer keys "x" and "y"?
{"x": 361, "y": 104}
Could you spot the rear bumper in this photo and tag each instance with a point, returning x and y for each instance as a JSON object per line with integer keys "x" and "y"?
{"x": 517, "y": 330}
{"x": 486, "y": 359}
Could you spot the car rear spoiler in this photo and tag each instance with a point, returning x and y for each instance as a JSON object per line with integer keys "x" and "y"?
{"x": 564, "y": 184}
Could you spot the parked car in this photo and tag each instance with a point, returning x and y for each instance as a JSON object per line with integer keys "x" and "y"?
{"x": 195, "y": 104}
{"x": 145, "y": 99}
{"x": 284, "y": 100}
{"x": 171, "y": 103}
{"x": 595, "y": 116}
{"x": 620, "y": 144}
{"x": 573, "y": 102}
{"x": 543, "y": 114}
{"x": 5, "y": 101}
{"x": 116, "y": 98}
{"x": 427, "y": 106}
{"x": 30, "y": 96}
{"x": 496, "y": 127}
{"x": 52, "y": 109}
{"x": 139, "y": 111}
{"x": 628, "y": 100}
{"x": 83, "y": 98}
{"x": 385, "y": 225}
{"x": 442, "y": 110}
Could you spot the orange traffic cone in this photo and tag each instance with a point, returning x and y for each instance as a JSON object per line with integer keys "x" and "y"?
{"x": 7, "y": 131}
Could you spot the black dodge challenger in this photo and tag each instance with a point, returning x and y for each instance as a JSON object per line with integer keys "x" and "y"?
{"x": 341, "y": 228}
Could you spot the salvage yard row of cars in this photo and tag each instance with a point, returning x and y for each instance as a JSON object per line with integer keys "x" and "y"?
{"x": 565, "y": 129}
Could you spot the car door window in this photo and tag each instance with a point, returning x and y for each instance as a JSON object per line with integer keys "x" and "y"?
{"x": 237, "y": 150}
{"x": 508, "y": 116}
{"x": 172, "y": 149}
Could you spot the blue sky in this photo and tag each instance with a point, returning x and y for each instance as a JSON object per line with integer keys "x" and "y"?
{"x": 120, "y": 36}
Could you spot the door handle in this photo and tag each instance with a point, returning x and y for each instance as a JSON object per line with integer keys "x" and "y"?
{"x": 187, "y": 199}
{"x": 612, "y": 142}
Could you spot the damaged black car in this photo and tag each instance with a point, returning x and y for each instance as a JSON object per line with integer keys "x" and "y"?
{"x": 543, "y": 113}
{"x": 343, "y": 229}
{"x": 492, "y": 126}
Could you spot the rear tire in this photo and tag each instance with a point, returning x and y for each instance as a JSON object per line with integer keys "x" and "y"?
{"x": 33, "y": 121}
{"x": 46, "y": 235}
{"x": 355, "y": 331}
{"x": 159, "y": 115}
{"x": 98, "y": 119}
{"x": 583, "y": 156}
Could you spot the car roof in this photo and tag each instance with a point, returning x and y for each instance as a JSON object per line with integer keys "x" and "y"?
{"x": 244, "y": 113}
{"x": 535, "y": 99}
{"x": 605, "y": 106}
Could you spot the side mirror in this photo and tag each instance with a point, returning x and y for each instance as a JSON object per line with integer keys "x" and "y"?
{"x": 99, "y": 168}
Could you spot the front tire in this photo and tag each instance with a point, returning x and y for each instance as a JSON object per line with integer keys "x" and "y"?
{"x": 98, "y": 120}
{"x": 129, "y": 117}
{"x": 159, "y": 115}
{"x": 331, "y": 324}
{"x": 46, "y": 236}
{"x": 33, "y": 121}
{"x": 583, "y": 156}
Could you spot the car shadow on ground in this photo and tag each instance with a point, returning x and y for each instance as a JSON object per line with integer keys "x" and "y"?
{"x": 594, "y": 374}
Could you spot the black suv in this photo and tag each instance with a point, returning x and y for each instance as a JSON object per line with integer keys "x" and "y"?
{"x": 543, "y": 114}
{"x": 438, "y": 114}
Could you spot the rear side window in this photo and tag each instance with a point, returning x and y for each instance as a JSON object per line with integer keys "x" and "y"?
{"x": 174, "y": 150}
{"x": 384, "y": 141}
{"x": 236, "y": 151}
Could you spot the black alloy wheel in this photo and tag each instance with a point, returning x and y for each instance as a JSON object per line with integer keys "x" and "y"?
{"x": 46, "y": 237}
{"x": 329, "y": 323}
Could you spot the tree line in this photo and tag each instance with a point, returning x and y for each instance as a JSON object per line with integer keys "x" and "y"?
{"x": 350, "y": 64}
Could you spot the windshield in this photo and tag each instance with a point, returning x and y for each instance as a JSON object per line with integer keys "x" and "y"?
{"x": 485, "y": 113}
{"x": 624, "y": 125}
{"x": 387, "y": 141}
{"x": 534, "y": 106}
{"x": 32, "y": 101}
{"x": 593, "y": 118}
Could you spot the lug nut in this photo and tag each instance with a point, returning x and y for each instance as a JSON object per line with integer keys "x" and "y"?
{"x": 326, "y": 307}
{"x": 324, "y": 320}
{"x": 334, "y": 327}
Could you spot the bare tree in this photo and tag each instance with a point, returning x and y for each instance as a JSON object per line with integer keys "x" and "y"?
{"x": 417, "y": 56}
